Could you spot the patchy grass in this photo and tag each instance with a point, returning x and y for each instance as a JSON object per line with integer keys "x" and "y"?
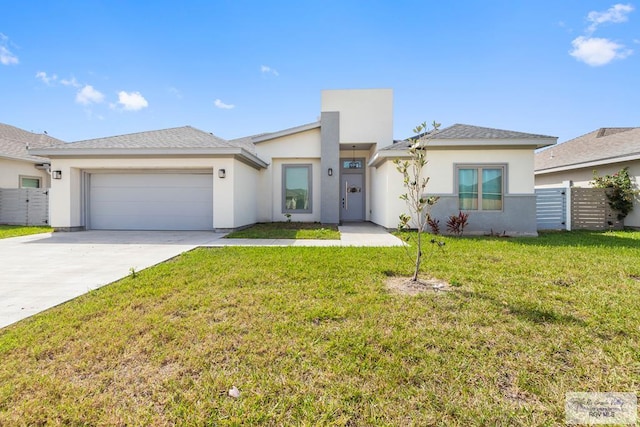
{"x": 288, "y": 230}
{"x": 20, "y": 230}
{"x": 310, "y": 336}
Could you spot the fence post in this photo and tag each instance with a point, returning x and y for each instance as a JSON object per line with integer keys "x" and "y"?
{"x": 567, "y": 199}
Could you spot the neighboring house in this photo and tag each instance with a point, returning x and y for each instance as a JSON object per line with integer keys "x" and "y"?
{"x": 338, "y": 169}
{"x": 18, "y": 168}
{"x": 605, "y": 150}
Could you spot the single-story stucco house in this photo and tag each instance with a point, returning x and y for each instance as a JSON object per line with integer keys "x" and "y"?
{"x": 18, "y": 168}
{"x": 605, "y": 150}
{"x": 338, "y": 169}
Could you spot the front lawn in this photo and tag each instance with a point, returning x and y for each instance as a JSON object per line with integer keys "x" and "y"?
{"x": 288, "y": 230}
{"x": 311, "y": 336}
{"x": 21, "y": 230}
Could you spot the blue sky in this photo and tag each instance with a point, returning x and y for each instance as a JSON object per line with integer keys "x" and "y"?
{"x": 88, "y": 69}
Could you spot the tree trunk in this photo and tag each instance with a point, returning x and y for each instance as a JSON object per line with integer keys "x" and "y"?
{"x": 418, "y": 258}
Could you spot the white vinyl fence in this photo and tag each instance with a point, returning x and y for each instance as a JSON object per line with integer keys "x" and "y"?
{"x": 24, "y": 206}
{"x": 551, "y": 208}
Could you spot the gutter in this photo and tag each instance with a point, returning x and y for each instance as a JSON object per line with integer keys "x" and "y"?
{"x": 236, "y": 152}
{"x": 601, "y": 162}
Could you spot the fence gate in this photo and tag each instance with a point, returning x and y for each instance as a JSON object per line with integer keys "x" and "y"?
{"x": 551, "y": 208}
{"x": 590, "y": 210}
{"x": 24, "y": 206}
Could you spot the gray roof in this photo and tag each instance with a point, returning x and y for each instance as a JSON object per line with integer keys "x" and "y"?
{"x": 474, "y": 135}
{"x": 15, "y": 142}
{"x": 181, "y": 137}
{"x": 267, "y": 136}
{"x": 604, "y": 145}
{"x": 165, "y": 142}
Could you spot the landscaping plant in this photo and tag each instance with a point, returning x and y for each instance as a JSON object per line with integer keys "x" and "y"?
{"x": 457, "y": 223}
{"x": 621, "y": 191}
{"x": 416, "y": 183}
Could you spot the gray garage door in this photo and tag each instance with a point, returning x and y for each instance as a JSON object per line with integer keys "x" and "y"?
{"x": 150, "y": 201}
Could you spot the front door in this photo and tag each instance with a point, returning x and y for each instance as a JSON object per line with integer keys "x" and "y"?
{"x": 352, "y": 197}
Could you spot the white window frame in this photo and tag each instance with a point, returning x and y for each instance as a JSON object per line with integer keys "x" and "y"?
{"x": 37, "y": 178}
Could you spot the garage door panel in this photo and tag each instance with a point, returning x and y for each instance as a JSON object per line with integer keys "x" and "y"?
{"x": 149, "y": 194}
{"x": 155, "y": 208}
{"x": 171, "y": 180}
{"x": 152, "y": 201}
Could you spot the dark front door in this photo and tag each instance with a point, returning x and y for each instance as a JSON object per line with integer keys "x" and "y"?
{"x": 352, "y": 197}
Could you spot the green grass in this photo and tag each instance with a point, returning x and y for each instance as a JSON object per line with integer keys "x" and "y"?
{"x": 311, "y": 336}
{"x": 288, "y": 230}
{"x": 20, "y": 230}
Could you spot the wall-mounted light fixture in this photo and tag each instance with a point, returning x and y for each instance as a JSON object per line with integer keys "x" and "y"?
{"x": 222, "y": 173}
{"x": 330, "y": 171}
{"x": 56, "y": 174}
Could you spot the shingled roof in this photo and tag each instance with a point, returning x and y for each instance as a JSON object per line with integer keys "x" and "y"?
{"x": 476, "y": 135}
{"x": 178, "y": 141}
{"x": 15, "y": 142}
{"x": 604, "y": 145}
{"x": 180, "y": 137}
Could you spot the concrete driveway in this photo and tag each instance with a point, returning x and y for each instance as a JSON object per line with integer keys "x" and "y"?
{"x": 41, "y": 271}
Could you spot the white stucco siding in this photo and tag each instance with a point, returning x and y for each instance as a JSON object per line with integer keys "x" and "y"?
{"x": 11, "y": 170}
{"x": 264, "y": 195}
{"x": 304, "y": 145}
{"x": 583, "y": 176}
{"x": 299, "y": 148}
{"x": 366, "y": 115}
{"x": 387, "y": 184}
{"x": 441, "y": 168}
{"x": 276, "y": 201}
{"x": 245, "y": 194}
{"x": 386, "y": 188}
{"x": 66, "y": 200}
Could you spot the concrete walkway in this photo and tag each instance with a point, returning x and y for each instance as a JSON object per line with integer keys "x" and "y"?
{"x": 40, "y": 271}
{"x": 356, "y": 234}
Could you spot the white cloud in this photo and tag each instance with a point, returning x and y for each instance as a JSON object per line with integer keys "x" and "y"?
{"x": 48, "y": 80}
{"x": 70, "y": 82}
{"x": 616, "y": 14}
{"x": 265, "y": 69}
{"x": 596, "y": 51}
{"x": 218, "y": 103}
{"x": 88, "y": 95}
{"x": 6, "y": 56}
{"x": 132, "y": 101}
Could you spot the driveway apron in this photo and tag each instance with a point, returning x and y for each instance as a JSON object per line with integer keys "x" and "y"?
{"x": 40, "y": 271}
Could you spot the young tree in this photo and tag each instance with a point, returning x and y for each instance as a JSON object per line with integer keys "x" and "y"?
{"x": 415, "y": 183}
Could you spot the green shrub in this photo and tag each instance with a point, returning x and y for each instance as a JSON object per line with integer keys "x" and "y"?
{"x": 621, "y": 191}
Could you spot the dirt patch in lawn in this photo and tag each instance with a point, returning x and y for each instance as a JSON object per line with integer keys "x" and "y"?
{"x": 404, "y": 286}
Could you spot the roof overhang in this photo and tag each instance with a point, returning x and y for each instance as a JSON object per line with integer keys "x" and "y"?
{"x": 590, "y": 164}
{"x": 285, "y": 132}
{"x": 493, "y": 143}
{"x": 29, "y": 159}
{"x": 440, "y": 145}
{"x": 236, "y": 152}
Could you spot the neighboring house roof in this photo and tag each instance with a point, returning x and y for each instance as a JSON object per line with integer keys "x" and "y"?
{"x": 184, "y": 140}
{"x": 602, "y": 146}
{"x": 15, "y": 143}
{"x": 465, "y": 136}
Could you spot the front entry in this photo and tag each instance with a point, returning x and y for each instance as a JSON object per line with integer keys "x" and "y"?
{"x": 352, "y": 197}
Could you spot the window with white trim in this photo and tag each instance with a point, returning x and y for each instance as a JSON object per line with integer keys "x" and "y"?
{"x": 481, "y": 187}
{"x": 29, "y": 182}
{"x": 296, "y": 189}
